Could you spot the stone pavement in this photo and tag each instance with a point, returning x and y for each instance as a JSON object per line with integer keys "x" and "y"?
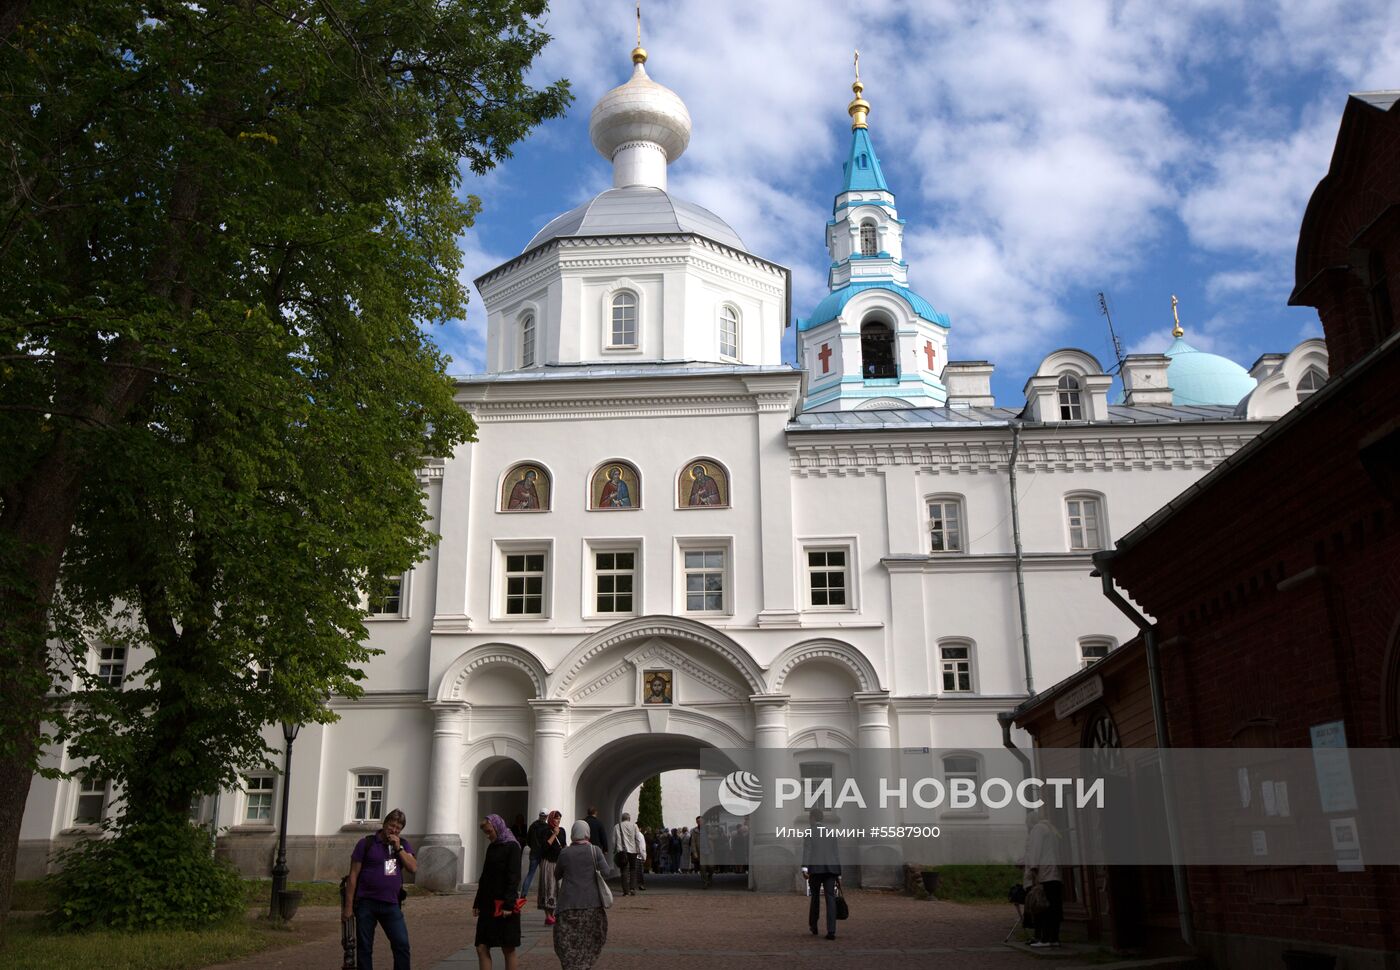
{"x": 726, "y": 928}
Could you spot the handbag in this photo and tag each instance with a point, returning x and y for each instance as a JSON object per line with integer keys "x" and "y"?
{"x": 1037, "y": 900}
{"x": 604, "y": 893}
{"x": 843, "y": 909}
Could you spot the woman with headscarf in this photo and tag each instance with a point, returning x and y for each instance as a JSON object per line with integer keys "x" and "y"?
{"x": 553, "y": 843}
{"x": 495, "y": 908}
{"x": 582, "y": 928}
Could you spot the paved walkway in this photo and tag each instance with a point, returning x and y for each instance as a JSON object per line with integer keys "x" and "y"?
{"x": 727, "y": 928}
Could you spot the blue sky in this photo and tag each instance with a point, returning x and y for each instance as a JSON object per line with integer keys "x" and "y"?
{"x": 1039, "y": 152}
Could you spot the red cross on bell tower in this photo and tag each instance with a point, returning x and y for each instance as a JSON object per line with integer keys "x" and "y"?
{"x": 929, "y": 353}
{"x": 825, "y": 357}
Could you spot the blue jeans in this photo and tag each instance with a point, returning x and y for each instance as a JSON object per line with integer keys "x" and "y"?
{"x": 368, "y": 912}
{"x": 529, "y": 876}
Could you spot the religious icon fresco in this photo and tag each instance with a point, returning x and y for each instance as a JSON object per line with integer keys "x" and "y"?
{"x": 615, "y": 485}
{"x": 656, "y": 686}
{"x": 703, "y": 483}
{"x": 525, "y": 489}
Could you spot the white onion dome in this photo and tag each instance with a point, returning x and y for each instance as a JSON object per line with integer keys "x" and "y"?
{"x": 640, "y": 127}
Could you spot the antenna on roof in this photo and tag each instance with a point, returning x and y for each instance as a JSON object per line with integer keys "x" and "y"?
{"x": 1117, "y": 344}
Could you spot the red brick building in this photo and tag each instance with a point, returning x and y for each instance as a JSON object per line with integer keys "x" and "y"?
{"x": 1275, "y": 586}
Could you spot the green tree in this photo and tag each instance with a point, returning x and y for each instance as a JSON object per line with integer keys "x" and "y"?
{"x": 223, "y": 230}
{"x": 649, "y": 814}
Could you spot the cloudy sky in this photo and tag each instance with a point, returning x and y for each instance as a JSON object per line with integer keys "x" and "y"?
{"x": 1039, "y": 152}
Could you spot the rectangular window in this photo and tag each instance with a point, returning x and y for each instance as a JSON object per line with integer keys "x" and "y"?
{"x": 525, "y": 583}
{"x": 369, "y": 797}
{"x": 960, "y": 766}
{"x": 111, "y": 665}
{"x": 957, "y": 669}
{"x": 614, "y": 576}
{"x": 704, "y": 580}
{"x": 1091, "y": 651}
{"x": 826, "y": 578}
{"x": 1084, "y": 524}
{"x": 257, "y": 808}
{"x": 945, "y": 525}
{"x": 387, "y": 597}
{"x": 92, "y": 801}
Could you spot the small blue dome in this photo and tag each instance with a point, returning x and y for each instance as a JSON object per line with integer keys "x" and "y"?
{"x": 1201, "y": 378}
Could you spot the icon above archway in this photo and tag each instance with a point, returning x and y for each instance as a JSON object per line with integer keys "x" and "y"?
{"x": 615, "y": 485}
{"x": 703, "y": 484}
{"x": 525, "y": 489}
{"x": 657, "y": 686}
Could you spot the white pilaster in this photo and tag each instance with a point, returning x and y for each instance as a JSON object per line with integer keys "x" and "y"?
{"x": 770, "y": 720}
{"x": 548, "y": 782}
{"x": 440, "y": 856}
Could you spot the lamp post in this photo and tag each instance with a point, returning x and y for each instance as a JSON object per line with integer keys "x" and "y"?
{"x": 279, "y": 869}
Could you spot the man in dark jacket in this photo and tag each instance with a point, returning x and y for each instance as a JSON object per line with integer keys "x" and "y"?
{"x": 534, "y": 841}
{"x": 597, "y": 835}
{"x": 821, "y": 865}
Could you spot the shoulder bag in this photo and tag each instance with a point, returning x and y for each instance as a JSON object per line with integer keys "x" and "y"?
{"x": 604, "y": 893}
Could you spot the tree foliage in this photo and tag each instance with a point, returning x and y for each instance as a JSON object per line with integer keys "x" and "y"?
{"x": 649, "y": 814}
{"x": 224, "y": 229}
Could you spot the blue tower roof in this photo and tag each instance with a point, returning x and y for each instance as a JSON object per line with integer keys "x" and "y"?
{"x": 1200, "y": 378}
{"x": 834, "y": 302}
{"x": 862, "y": 169}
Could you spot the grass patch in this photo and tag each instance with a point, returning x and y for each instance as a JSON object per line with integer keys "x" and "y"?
{"x": 32, "y": 895}
{"x": 976, "y": 884}
{"x": 30, "y": 945}
{"x": 258, "y": 892}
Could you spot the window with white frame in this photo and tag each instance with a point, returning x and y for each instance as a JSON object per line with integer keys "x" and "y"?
{"x": 962, "y": 765}
{"x": 705, "y": 573}
{"x": 257, "y": 798}
{"x": 869, "y": 246}
{"x": 728, "y": 331}
{"x": 527, "y": 340}
{"x": 91, "y": 804}
{"x": 367, "y": 801}
{"x": 524, "y": 575}
{"x": 1094, "y": 649}
{"x": 623, "y": 329}
{"x": 1085, "y": 520}
{"x": 1071, "y": 398}
{"x": 828, "y": 577}
{"x": 615, "y": 581}
{"x": 945, "y": 528}
{"x": 386, "y": 598}
{"x": 955, "y": 667}
{"x": 111, "y": 665}
{"x": 1310, "y": 383}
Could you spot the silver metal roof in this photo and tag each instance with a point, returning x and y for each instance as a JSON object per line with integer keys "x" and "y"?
{"x": 911, "y": 419}
{"x": 637, "y": 209}
{"x": 1378, "y": 99}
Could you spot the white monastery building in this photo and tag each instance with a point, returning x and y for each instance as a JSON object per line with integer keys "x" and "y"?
{"x": 666, "y": 539}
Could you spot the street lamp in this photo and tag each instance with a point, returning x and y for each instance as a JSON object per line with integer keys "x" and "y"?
{"x": 279, "y": 869}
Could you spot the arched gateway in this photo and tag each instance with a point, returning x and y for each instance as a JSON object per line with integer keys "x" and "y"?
{"x": 643, "y": 696}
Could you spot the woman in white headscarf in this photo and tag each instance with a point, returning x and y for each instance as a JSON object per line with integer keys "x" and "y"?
{"x": 582, "y": 920}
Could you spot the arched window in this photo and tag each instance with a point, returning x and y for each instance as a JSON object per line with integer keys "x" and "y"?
{"x": 868, "y": 244}
{"x": 1084, "y": 518}
{"x": 624, "y": 320}
{"x": 1310, "y": 383}
{"x": 877, "y": 350}
{"x": 728, "y": 331}
{"x": 945, "y": 528}
{"x": 527, "y": 340}
{"x": 1094, "y": 649}
{"x": 956, "y": 667}
{"x": 1071, "y": 398}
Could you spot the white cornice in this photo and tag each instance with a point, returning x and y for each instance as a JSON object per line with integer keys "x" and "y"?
{"x": 1040, "y": 562}
{"x": 955, "y": 450}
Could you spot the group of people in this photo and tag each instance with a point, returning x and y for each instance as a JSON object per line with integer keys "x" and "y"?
{"x": 573, "y": 868}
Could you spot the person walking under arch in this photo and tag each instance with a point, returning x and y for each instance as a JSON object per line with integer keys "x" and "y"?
{"x": 821, "y": 865}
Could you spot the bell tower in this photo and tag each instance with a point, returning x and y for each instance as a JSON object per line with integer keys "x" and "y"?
{"x": 872, "y": 341}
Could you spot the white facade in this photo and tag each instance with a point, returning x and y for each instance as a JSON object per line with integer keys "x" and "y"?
{"x": 512, "y": 677}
